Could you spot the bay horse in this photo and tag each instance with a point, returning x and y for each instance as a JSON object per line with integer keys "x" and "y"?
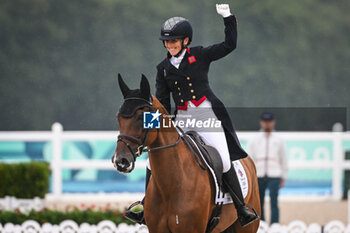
{"x": 180, "y": 195}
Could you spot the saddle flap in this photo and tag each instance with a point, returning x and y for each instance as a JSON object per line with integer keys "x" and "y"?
{"x": 209, "y": 153}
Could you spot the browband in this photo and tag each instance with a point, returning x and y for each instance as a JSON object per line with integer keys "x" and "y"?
{"x": 137, "y": 98}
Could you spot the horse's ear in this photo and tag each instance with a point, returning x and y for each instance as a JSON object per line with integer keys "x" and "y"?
{"x": 123, "y": 87}
{"x": 144, "y": 87}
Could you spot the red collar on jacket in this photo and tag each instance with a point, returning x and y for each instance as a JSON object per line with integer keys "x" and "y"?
{"x": 195, "y": 102}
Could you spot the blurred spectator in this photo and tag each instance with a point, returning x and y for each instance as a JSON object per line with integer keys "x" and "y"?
{"x": 269, "y": 154}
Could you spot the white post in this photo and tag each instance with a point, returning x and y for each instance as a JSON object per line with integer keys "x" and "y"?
{"x": 338, "y": 159}
{"x": 56, "y": 168}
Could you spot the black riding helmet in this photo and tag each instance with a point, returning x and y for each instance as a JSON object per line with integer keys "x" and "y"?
{"x": 175, "y": 28}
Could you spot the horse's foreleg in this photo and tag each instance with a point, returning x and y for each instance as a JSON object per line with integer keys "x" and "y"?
{"x": 228, "y": 217}
{"x": 187, "y": 225}
{"x": 155, "y": 214}
{"x": 158, "y": 222}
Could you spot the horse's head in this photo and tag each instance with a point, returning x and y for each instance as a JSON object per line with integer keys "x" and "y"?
{"x": 132, "y": 138}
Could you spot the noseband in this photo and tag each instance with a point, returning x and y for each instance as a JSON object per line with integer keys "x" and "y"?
{"x": 125, "y": 138}
{"x": 139, "y": 142}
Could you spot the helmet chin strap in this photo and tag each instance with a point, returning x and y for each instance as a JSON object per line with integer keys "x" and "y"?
{"x": 182, "y": 49}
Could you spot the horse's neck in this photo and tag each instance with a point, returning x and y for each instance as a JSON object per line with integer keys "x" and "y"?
{"x": 166, "y": 164}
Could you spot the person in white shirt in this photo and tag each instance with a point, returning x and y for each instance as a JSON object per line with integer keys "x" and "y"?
{"x": 269, "y": 154}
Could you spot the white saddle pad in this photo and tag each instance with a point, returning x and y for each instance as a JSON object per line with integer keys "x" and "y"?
{"x": 225, "y": 198}
{"x": 243, "y": 181}
{"x": 242, "y": 177}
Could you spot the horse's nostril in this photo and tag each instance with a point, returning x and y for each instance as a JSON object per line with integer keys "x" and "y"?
{"x": 123, "y": 162}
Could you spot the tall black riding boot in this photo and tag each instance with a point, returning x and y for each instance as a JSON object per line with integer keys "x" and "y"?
{"x": 138, "y": 217}
{"x": 231, "y": 184}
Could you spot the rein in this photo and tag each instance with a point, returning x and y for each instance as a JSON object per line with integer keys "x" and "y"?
{"x": 141, "y": 147}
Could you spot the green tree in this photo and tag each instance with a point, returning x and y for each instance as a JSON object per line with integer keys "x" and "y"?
{"x": 59, "y": 59}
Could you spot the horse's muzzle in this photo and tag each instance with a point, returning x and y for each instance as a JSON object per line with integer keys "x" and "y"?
{"x": 122, "y": 164}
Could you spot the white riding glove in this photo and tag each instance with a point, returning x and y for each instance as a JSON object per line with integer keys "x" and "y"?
{"x": 223, "y": 9}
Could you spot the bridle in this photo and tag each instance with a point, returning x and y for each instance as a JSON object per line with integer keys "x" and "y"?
{"x": 141, "y": 147}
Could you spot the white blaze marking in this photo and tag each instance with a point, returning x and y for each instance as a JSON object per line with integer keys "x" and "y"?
{"x": 177, "y": 220}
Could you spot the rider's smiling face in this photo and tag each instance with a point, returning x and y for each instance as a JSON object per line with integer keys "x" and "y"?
{"x": 174, "y": 46}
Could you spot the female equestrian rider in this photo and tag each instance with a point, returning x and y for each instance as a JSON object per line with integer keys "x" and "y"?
{"x": 184, "y": 73}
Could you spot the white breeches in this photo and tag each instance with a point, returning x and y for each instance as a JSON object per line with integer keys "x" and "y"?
{"x": 213, "y": 136}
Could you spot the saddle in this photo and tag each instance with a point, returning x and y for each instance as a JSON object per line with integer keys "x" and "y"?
{"x": 205, "y": 155}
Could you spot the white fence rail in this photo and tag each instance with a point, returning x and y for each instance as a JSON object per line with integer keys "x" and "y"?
{"x": 23, "y": 205}
{"x": 57, "y": 136}
{"x": 69, "y": 226}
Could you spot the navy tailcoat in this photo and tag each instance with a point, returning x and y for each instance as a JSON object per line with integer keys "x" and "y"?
{"x": 190, "y": 82}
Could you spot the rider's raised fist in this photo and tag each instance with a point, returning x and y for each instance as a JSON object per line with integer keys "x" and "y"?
{"x": 223, "y": 9}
